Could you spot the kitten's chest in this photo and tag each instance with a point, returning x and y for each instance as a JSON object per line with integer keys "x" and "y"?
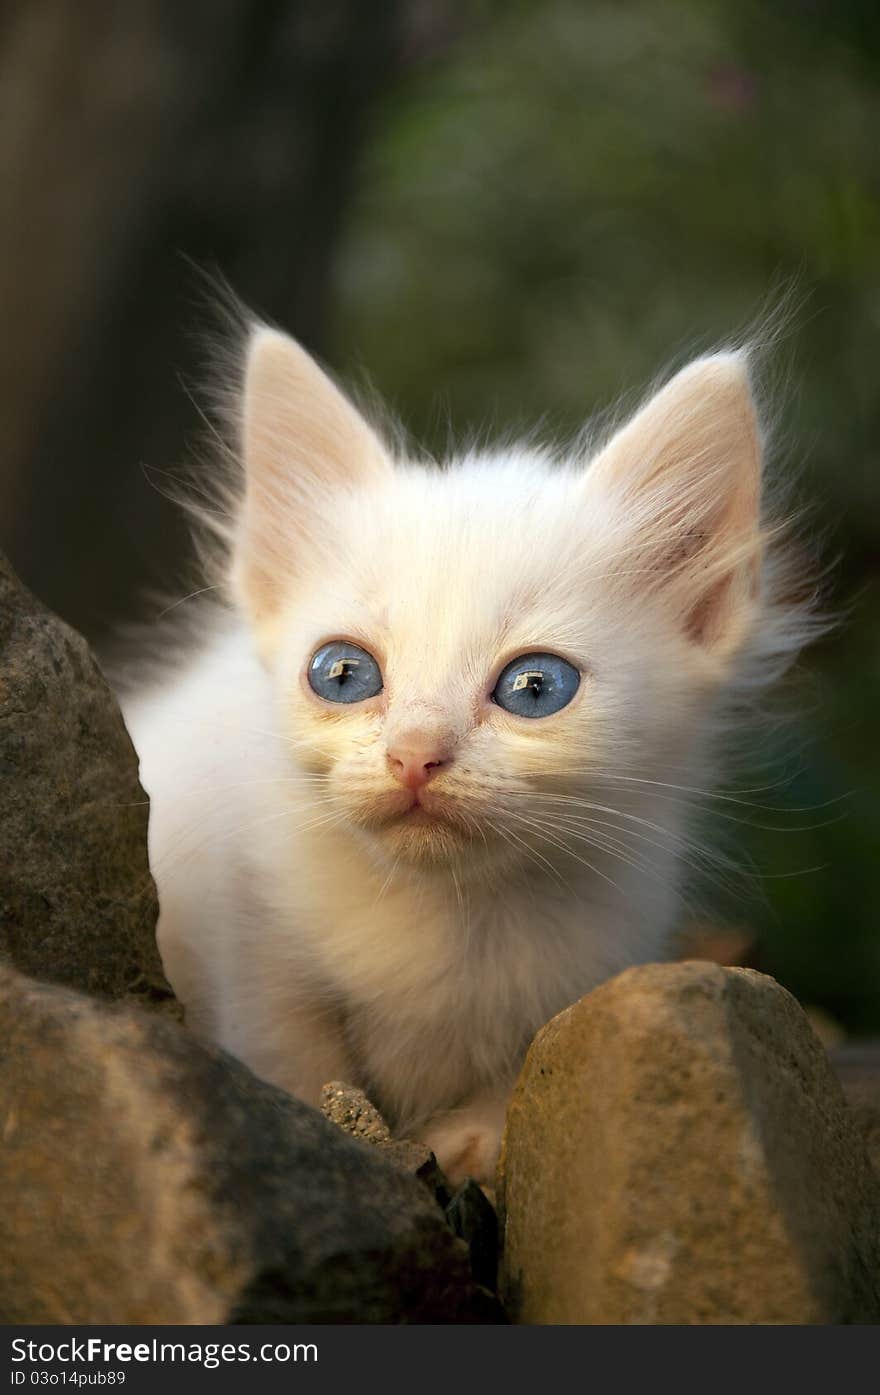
{"x": 444, "y": 973}
{"x": 440, "y": 989}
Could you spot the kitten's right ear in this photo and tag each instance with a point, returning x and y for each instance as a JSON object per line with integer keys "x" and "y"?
{"x": 302, "y": 442}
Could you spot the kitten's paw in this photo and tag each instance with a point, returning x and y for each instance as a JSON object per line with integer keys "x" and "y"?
{"x": 466, "y": 1141}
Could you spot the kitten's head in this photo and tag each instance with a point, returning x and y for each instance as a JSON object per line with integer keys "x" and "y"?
{"x": 466, "y": 654}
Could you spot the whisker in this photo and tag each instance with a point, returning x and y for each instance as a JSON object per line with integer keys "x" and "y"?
{"x": 699, "y": 859}
{"x": 532, "y": 854}
{"x": 556, "y": 843}
{"x": 600, "y": 843}
{"x": 203, "y": 591}
{"x": 720, "y": 795}
{"x": 387, "y": 882}
{"x": 719, "y": 814}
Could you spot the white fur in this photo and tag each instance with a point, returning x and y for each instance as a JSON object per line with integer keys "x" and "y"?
{"x": 307, "y": 930}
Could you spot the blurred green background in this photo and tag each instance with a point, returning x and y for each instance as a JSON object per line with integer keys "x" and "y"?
{"x": 502, "y": 213}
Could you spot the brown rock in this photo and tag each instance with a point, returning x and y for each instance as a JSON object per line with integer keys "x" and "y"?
{"x": 77, "y": 902}
{"x": 679, "y": 1151}
{"x": 146, "y": 1179}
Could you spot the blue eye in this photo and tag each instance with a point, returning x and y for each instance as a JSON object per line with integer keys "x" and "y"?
{"x": 341, "y": 672}
{"x": 536, "y": 685}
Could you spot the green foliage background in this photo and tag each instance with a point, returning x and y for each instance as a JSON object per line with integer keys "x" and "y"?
{"x": 573, "y": 197}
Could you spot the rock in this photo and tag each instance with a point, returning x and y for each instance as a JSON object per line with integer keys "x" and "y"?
{"x": 866, "y": 1116}
{"x": 468, "y": 1211}
{"x": 77, "y": 901}
{"x": 678, "y": 1151}
{"x": 417, "y": 1159}
{"x": 148, "y": 1179}
{"x": 355, "y": 1114}
{"x": 471, "y": 1216}
{"x": 349, "y": 1108}
{"x": 857, "y": 1065}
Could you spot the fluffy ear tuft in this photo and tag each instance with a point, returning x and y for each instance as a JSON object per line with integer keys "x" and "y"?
{"x": 684, "y": 476}
{"x": 302, "y": 443}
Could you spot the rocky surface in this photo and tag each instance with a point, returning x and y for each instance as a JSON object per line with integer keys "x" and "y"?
{"x": 857, "y": 1065}
{"x": 146, "y": 1179}
{"x": 468, "y": 1210}
{"x": 77, "y": 902}
{"x": 471, "y": 1215}
{"x": 350, "y": 1109}
{"x": 678, "y": 1150}
{"x": 353, "y": 1112}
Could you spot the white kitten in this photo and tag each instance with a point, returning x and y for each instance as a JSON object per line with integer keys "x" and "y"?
{"x": 413, "y": 797}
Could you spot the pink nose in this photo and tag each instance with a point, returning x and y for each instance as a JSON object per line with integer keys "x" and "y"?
{"x": 414, "y": 763}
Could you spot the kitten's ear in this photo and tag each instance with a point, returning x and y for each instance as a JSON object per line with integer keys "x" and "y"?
{"x": 685, "y": 478}
{"x": 303, "y": 442}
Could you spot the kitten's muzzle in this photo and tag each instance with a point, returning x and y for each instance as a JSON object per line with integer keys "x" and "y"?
{"x": 405, "y": 807}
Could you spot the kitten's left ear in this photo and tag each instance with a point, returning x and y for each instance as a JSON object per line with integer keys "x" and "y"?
{"x": 303, "y": 444}
{"x": 684, "y": 478}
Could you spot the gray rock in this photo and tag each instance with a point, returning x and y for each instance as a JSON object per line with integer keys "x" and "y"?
{"x": 678, "y": 1150}
{"x": 468, "y": 1210}
{"x": 147, "y": 1179}
{"x": 77, "y": 901}
{"x": 471, "y": 1215}
{"x": 350, "y": 1109}
{"x": 857, "y": 1065}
